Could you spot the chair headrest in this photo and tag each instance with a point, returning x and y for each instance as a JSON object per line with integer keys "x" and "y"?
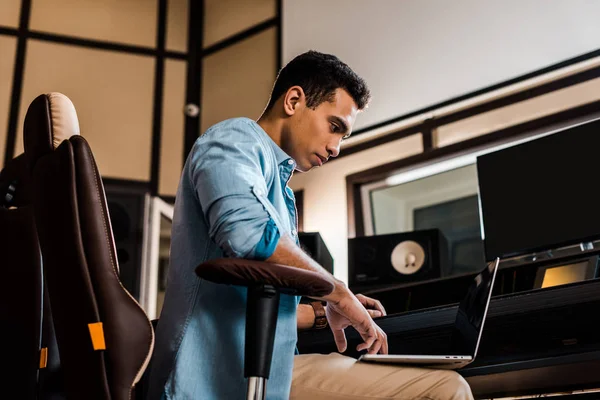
{"x": 50, "y": 119}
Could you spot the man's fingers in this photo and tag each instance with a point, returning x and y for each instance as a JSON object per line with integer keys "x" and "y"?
{"x": 380, "y": 307}
{"x": 340, "y": 340}
{"x": 369, "y": 335}
{"x": 373, "y": 349}
{"x": 376, "y": 346}
{"x": 371, "y": 303}
{"x": 361, "y": 347}
{"x": 379, "y": 345}
{"x": 384, "y": 344}
{"x": 375, "y": 313}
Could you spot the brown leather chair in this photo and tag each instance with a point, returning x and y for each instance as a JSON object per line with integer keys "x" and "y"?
{"x": 265, "y": 283}
{"x": 22, "y": 289}
{"x": 105, "y": 339}
{"x": 31, "y": 354}
{"x": 50, "y": 379}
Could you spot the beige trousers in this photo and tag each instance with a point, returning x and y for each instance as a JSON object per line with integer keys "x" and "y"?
{"x": 334, "y": 376}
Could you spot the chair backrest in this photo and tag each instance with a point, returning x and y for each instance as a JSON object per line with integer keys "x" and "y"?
{"x": 21, "y": 292}
{"x": 50, "y": 380}
{"x": 104, "y": 337}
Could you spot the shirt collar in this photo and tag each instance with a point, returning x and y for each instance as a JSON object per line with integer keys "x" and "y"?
{"x": 281, "y": 156}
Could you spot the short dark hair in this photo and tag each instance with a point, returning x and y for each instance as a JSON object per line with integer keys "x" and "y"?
{"x": 320, "y": 75}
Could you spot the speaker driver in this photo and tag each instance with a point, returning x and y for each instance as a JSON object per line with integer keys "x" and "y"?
{"x": 408, "y": 257}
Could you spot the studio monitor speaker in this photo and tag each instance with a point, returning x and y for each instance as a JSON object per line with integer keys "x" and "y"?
{"x": 312, "y": 243}
{"x": 126, "y": 212}
{"x": 397, "y": 258}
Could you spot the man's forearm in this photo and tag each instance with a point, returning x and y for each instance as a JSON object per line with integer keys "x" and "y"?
{"x": 288, "y": 253}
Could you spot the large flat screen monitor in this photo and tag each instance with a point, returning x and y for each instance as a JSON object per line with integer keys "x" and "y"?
{"x": 541, "y": 195}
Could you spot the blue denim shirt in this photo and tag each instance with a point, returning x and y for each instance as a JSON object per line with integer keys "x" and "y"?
{"x": 233, "y": 201}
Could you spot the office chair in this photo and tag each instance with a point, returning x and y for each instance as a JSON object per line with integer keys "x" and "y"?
{"x": 265, "y": 282}
{"x": 105, "y": 339}
{"x": 22, "y": 290}
{"x": 31, "y": 352}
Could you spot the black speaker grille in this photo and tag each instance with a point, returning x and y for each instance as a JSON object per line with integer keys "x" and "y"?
{"x": 370, "y": 258}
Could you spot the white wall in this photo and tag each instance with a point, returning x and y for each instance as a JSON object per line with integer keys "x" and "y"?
{"x": 416, "y": 53}
{"x": 325, "y": 194}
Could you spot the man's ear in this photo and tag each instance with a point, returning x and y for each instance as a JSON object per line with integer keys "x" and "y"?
{"x": 293, "y": 100}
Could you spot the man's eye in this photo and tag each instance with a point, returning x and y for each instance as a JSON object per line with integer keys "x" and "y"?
{"x": 334, "y": 128}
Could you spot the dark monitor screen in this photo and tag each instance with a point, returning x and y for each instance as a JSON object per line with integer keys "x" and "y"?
{"x": 540, "y": 195}
{"x": 472, "y": 311}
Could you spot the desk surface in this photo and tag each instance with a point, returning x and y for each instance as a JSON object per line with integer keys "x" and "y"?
{"x": 533, "y": 342}
{"x": 538, "y": 375}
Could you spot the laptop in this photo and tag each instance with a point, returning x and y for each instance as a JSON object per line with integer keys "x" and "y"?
{"x": 466, "y": 334}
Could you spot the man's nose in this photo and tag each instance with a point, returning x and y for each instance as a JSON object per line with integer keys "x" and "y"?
{"x": 333, "y": 148}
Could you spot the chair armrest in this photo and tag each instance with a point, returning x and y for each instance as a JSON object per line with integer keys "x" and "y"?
{"x": 288, "y": 280}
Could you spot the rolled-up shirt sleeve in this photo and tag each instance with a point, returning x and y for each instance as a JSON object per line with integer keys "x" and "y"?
{"x": 227, "y": 174}
{"x": 268, "y": 242}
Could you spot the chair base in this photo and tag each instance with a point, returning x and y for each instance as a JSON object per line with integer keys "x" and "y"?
{"x": 256, "y": 388}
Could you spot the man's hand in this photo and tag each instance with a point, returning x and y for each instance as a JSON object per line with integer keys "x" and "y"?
{"x": 343, "y": 307}
{"x": 358, "y": 312}
{"x": 374, "y": 307}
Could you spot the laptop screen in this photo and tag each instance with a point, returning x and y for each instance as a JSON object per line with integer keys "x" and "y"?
{"x": 472, "y": 311}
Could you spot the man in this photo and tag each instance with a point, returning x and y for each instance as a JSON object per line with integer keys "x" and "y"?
{"x": 233, "y": 200}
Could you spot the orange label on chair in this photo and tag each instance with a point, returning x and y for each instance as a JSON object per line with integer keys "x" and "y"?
{"x": 43, "y": 357}
{"x": 97, "y": 335}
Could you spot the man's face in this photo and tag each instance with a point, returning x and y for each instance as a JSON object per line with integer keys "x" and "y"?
{"x": 315, "y": 135}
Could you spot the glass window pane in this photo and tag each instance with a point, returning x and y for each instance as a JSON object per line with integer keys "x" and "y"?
{"x": 224, "y": 18}
{"x": 8, "y": 47}
{"x": 237, "y": 81}
{"x": 10, "y": 11}
{"x": 447, "y": 201}
{"x": 173, "y": 130}
{"x": 112, "y": 93}
{"x": 177, "y": 25}
{"x": 459, "y": 221}
{"x": 124, "y": 21}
